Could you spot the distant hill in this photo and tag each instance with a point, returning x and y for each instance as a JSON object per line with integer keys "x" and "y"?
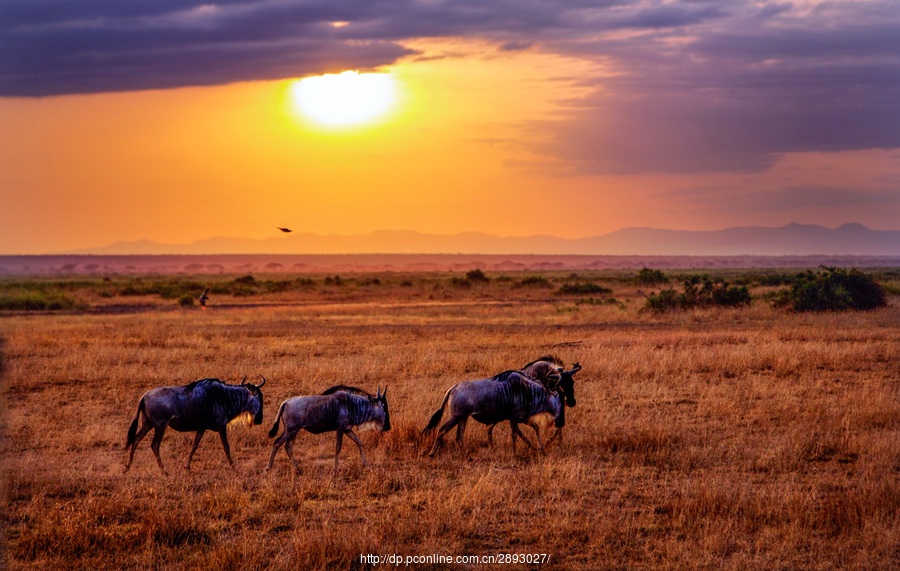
{"x": 790, "y": 240}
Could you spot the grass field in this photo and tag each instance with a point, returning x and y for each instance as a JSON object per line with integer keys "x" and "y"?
{"x": 747, "y": 438}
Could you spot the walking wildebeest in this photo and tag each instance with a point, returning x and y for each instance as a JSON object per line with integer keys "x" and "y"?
{"x": 550, "y": 372}
{"x": 508, "y": 396}
{"x": 207, "y": 404}
{"x": 340, "y": 409}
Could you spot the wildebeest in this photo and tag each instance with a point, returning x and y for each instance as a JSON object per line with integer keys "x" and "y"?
{"x": 550, "y": 372}
{"x": 340, "y": 409}
{"x": 207, "y": 404}
{"x": 508, "y": 396}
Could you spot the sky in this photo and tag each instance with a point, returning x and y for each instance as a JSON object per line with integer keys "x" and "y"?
{"x": 176, "y": 120}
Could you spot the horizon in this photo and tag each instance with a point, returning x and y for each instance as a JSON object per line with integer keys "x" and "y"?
{"x": 791, "y": 239}
{"x": 178, "y": 123}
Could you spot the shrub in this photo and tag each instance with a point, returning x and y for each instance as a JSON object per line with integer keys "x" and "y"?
{"x": 334, "y": 281}
{"x": 832, "y": 289}
{"x": 699, "y": 291}
{"x": 460, "y": 282}
{"x": 36, "y": 301}
{"x": 186, "y": 301}
{"x": 666, "y": 300}
{"x": 651, "y": 277}
{"x": 246, "y": 280}
{"x": 583, "y": 289}
{"x": 477, "y": 276}
{"x": 535, "y": 282}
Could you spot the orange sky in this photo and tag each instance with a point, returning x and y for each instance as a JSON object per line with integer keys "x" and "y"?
{"x": 468, "y": 146}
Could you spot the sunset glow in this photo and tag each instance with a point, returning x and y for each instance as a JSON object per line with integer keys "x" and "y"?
{"x": 347, "y": 98}
{"x": 418, "y": 116}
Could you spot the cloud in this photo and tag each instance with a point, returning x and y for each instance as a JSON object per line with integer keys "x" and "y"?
{"x": 734, "y": 93}
{"x": 685, "y": 86}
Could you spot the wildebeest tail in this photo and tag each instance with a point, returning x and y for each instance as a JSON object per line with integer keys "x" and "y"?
{"x": 132, "y": 430}
{"x": 436, "y": 417}
{"x": 274, "y": 430}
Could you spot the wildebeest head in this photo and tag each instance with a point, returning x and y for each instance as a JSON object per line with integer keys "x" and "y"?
{"x": 566, "y": 383}
{"x": 380, "y": 399}
{"x": 255, "y": 402}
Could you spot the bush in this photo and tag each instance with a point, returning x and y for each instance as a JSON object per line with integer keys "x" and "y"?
{"x": 186, "y": 301}
{"x": 666, "y": 300}
{"x": 833, "y": 289}
{"x": 583, "y": 289}
{"x": 651, "y": 277}
{"x": 699, "y": 291}
{"x": 36, "y": 301}
{"x": 535, "y": 282}
{"x": 477, "y": 276}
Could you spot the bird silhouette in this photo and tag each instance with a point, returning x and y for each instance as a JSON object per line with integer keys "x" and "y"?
{"x": 203, "y": 298}
{"x": 284, "y": 229}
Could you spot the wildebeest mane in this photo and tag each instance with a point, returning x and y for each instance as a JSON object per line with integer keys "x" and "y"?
{"x": 506, "y": 375}
{"x": 347, "y": 389}
{"x": 549, "y": 358}
{"x": 192, "y": 386}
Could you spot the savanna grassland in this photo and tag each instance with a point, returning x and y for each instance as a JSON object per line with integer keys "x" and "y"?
{"x": 718, "y": 438}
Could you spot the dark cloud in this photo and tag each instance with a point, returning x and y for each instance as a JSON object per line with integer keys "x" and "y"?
{"x": 731, "y": 95}
{"x": 693, "y": 85}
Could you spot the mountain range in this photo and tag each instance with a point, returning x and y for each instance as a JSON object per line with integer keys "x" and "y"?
{"x": 792, "y": 239}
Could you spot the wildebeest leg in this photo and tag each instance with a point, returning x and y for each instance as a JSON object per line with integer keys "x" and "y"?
{"x": 540, "y": 441}
{"x": 441, "y": 432}
{"x": 521, "y": 435}
{"x": 337, "y": 447}
{"x": 137, "y": 438}
{"x": 289, "y": 449}
{"x": 285, "y": 436}
{"x": 491, "y": 436}
{"x": 157, "y": 439}
{"x": 223, "y": 434}
{"x": 356, "y": 439}
{"x": 556, "y": 436}
{"x": 461, "y": 430}
{"x": 194, "y": 447}
{"x": 516, "y": 432}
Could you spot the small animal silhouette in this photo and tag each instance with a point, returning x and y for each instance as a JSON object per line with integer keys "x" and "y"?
{"x": 203, "y": 298}
{"x": 284, "y": 229}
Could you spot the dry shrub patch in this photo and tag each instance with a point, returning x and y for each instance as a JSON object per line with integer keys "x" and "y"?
{"x": 747, "y": 438}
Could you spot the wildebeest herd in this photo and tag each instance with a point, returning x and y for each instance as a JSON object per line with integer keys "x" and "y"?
{"x": 536, "y": 395}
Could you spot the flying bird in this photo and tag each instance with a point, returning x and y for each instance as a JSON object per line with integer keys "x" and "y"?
{"x": 203, "y": 297}
{"x": 284, "y": 229}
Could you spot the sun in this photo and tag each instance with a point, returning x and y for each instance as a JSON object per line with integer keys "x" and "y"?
{"x": 344, "y": 99}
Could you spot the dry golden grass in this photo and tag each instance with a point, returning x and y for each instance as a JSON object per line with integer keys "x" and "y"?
{"x": 715, "y": 439}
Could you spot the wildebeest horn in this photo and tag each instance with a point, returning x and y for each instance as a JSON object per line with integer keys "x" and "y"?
{"x": 384, "y": 392}
{"x": 575, "y": 368}
{"x": 244, "y": 380}
{"x": 259, "y": 386}
{"x": 378, "y": 393}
